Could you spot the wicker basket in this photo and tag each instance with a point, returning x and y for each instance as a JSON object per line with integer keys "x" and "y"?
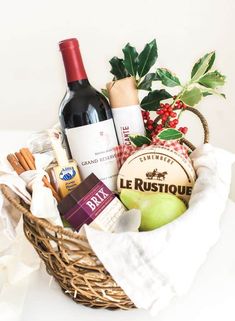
{"x": 69, "y": 258}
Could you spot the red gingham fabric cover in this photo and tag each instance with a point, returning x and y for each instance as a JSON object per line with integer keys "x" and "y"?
{"x": 122, "y": 152}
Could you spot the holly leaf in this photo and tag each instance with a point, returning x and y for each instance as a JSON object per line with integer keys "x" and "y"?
{"x": 118, "y": 68}
{"x": 147, "y": 58}
{"x": 105, "y": 92}
{"x": 203, "y": 65}
{"x": 130, "y": 59}
{"x": 191, "y": 97}
{"x": 170, "y": 134}
{"x": 209, "y": 91}
{"x": 211, "y": 62}
{"x": 167, "y": 77}
{"x": 206, "y": 93}
{"x": 153, "y": 99}
{"x": 139, "y": 140}
{"x": 146, "y": 84}
{"x": 212, "y": 80}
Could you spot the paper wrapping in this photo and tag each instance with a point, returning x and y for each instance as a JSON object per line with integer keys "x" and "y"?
{"x": 123, "y": 92}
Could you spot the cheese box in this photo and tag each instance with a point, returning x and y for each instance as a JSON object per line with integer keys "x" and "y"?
{"x": 158, "y": 169}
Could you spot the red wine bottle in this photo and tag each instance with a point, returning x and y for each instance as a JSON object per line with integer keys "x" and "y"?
{"x": 86, "y": 118}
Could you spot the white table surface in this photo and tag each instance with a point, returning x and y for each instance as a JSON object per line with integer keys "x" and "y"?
{"x": 212, "y": 296}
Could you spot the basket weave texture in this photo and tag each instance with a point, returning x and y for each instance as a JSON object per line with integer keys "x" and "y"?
{"x": 69, "y": 258}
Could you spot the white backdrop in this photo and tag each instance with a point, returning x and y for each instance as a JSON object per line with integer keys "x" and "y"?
{"x": 31, "y": 71}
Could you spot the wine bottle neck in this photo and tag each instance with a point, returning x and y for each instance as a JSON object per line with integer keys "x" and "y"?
{"x": 74, "y": 68}
{"x": 78, "y": 84}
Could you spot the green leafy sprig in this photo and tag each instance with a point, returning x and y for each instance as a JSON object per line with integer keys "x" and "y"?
{"x": 203, "y": 82}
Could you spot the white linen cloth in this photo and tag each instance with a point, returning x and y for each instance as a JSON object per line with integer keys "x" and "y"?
{"x": 43, "y": 204}
{"x": 18, "y": 259}
{"x": 154, "y": 267}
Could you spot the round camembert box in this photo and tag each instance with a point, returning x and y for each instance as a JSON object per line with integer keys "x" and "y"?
{"x": 158, "y": 169}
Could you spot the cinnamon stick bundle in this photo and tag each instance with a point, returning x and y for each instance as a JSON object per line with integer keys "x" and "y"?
{"x": 13, "y": 160}
{"x": 24, "y": 161}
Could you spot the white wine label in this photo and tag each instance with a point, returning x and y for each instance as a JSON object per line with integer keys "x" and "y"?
{"x": 158, "y": 169}
{"x": 92, "y": 147}
{"x": 128, "y": 120}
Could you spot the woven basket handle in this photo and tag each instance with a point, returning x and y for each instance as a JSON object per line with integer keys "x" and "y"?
{"x": 204, "y": 125}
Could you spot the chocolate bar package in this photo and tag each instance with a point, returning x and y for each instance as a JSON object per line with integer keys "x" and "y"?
{"x": 91, "y": 203}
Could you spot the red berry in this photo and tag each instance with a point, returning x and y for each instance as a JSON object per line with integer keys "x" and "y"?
{"x": 150, "y": 127}
{"x": 145, "y": 114}
{"x": 180, "y": 104}
{"x": 175, "y": 121}
{"x": 157, "y": 131}
{"x": 171, "y": 124}
{"x": 183, "y": 130}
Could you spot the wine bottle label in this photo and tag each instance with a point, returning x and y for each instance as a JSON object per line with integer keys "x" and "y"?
{"x": 92, "y": 147}
{"x": 158, "y": 169}
{"x": 128, "y": 120}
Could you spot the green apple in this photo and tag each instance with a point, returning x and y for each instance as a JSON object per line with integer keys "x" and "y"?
{"x": 157, "y": 209}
